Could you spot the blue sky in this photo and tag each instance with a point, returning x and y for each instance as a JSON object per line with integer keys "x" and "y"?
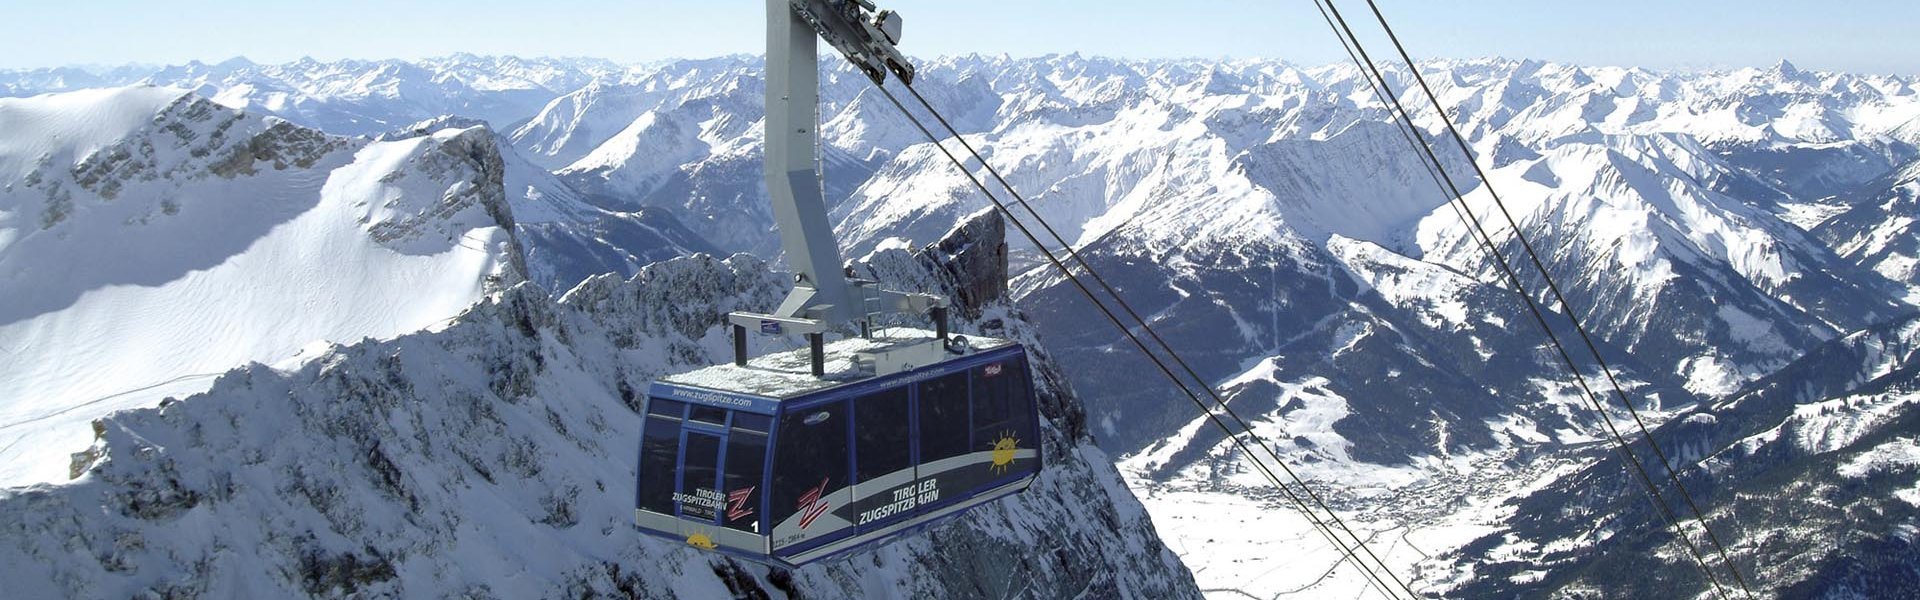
{"x": 1859, "y": 35}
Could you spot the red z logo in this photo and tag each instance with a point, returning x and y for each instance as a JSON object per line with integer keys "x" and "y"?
{"x": 812, "y": 505}
{"x": 737, "y": 503}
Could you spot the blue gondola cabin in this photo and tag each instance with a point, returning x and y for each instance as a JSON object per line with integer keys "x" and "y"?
{"x": 767, "y": 462}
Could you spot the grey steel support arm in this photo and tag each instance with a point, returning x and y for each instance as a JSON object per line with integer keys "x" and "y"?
{"x": 821, "y": 289}
{"x": 792, "y": 170}
{"x": 823, "y": 297}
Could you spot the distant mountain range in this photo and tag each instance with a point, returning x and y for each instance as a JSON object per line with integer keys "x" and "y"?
{"x": 1713, "y": 229}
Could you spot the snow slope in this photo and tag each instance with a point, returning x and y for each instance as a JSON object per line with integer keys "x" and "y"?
{"x": 150, "y": 237}
{"x": 1660, "y": 261}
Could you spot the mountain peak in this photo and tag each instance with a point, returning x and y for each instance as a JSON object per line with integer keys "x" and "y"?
{"x": 1786, "y": 69}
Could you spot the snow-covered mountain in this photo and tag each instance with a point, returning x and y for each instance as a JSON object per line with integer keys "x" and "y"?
{"x": 150, "y": 238}
{"x": 1273, "y": 228}
{"x": 495, "y": 459}
{"x": 566, "y": 236}
{"x": 1084, "y": 138}
{"x": 1876, "y": 227}
{"x": 353, "y": 97}
{"x": 1646, "y": 235}
{"x": 130, "y": 216}
{"x": 1269, "y": 225}
{"x": 1808, "y": 477}
{"x": 685, "y": 138}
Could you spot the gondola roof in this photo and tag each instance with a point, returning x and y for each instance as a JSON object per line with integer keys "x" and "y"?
{"x": 787, "y": 375}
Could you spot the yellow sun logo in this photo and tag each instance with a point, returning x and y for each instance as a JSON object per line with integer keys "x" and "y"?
{"x": 1003, "y": 451}
{"x": 701, "y": 541}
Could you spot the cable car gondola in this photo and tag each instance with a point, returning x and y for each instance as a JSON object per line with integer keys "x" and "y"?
{"x": 767, "y": 462}
{"x": 791, "y": 457}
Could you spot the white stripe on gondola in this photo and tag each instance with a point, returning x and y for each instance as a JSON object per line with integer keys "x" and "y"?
{"x": 863, "y": 538}
{"x": 830, "y": 524}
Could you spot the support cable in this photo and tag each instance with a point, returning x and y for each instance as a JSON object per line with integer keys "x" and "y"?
{"x": 1411, "y": 133}
{"x": 1536, "y": 312}
{"x": 1672, "y": 474}
{"x": 1667, "y": 512}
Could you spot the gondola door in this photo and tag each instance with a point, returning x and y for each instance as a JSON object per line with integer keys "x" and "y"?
{"x": 697, "y": 493}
